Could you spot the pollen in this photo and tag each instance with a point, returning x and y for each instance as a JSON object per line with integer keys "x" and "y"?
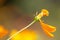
{"x": 45, "y": 12}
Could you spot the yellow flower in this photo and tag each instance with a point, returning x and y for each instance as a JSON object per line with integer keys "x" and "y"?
{"x": 48, "y": 29}
{"x": 43, "y": 12}
{"x": 26, "y": 35}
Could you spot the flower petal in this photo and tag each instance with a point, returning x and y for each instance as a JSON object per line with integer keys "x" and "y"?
{"x": 48, "y": 33}
{"x": 48, "y": 27}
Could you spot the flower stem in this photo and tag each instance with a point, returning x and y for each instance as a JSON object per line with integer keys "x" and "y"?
{"x": 22, "y": 29}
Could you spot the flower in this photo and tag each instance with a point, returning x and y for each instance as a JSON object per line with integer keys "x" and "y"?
{"x": 48, "y": 29}
{"x": 44, "y": 12}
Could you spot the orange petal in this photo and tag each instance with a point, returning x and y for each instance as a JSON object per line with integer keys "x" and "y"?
{"x": 3, "y": 32}
{"x": 48, "y": 27}
{"x": 48, "y": 33}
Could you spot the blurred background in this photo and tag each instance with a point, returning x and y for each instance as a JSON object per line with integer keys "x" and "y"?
{"x": 16, "y": 14}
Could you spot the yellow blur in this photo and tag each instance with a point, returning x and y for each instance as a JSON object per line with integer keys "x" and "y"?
{"x": 25, "y": 35}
